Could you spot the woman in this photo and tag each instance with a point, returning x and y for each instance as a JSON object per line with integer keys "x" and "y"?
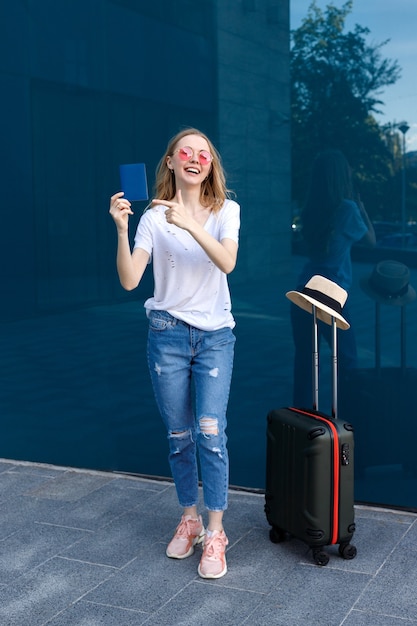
{"x": 191, "y": 235}
{"x": 332, "y": 222}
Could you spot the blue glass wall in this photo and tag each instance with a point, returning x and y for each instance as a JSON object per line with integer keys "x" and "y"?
{"x": 87, "y": 86}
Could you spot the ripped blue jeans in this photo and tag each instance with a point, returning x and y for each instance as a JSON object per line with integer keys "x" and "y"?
{"x": 191, "y": 372}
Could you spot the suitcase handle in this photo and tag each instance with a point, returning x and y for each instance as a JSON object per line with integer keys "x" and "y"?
{"x": 316, "y": 364}
{"x": 315, "y": 360}
{"x": 334, "y": 368}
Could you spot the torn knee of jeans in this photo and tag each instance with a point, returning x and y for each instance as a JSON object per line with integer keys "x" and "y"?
{"x": 180, "y": 434}
{"x": 180, "y": 440}
{"x": 209, "y": 426}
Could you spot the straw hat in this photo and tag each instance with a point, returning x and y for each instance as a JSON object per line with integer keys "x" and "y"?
{"x": 326, "y": 295}
{"x": 389, "y": 284}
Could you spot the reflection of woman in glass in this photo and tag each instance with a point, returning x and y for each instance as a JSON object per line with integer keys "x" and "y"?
{"x": 332, "y": 222}
{"x": 191, "y": 233}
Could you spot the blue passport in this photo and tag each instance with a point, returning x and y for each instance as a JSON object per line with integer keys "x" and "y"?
{"x": 133, "y": 181}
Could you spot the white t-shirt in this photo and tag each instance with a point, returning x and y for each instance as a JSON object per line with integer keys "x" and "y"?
{"x": 187, "y": 283}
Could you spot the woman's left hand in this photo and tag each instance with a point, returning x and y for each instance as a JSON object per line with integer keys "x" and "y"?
{"x": 175, "y": 213}
{"x": 222, "y": 253}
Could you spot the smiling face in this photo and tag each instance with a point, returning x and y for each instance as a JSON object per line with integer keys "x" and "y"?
{"x": 208, "y": 177}
{"x": 191, "y": 159}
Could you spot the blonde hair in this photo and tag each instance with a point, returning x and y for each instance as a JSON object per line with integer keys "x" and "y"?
{"x": 213, "y": 188}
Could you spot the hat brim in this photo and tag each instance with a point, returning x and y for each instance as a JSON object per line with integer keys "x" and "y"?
{"x": 324, "y": 313}
{"x": 400, "y": 301}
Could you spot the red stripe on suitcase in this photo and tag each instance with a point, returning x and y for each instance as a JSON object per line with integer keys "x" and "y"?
{"x": 336, "y": 471}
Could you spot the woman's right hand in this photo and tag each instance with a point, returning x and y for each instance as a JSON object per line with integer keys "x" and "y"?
{"x": 120, "y": 209}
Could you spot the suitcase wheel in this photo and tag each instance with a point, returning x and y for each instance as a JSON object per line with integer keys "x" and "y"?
{"x": 347, "y": 551}
{"x": 277, "y": 535}
{"x": 320, "y": 557}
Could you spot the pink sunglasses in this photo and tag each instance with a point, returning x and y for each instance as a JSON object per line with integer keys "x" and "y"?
{"x": 185, "y": 154}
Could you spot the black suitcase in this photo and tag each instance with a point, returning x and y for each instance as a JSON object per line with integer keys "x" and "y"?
{"x": 384, "y": 396}
{"x": 310, "y": 472}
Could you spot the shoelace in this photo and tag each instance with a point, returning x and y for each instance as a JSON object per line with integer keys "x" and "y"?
{"x": 214, "y": 546}
{"x": 183, "y": 529}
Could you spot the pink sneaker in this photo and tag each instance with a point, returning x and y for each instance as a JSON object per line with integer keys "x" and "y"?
{"x": 213, "y": 561}
{"x": 189, "y": 532}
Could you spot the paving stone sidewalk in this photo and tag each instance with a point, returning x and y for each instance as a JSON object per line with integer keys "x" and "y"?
{"x": 86, "y": 548}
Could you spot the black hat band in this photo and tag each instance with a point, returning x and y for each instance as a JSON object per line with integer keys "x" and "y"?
{"x": 323, "y": 299}
{"x": 389, "y": 294}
